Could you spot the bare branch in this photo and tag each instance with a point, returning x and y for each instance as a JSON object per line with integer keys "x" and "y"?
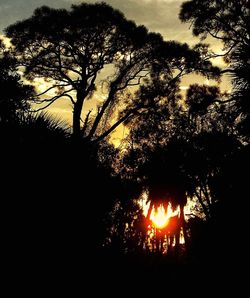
{"x": 224, "y": 54}
{"x": 86, "y": 122}
{"x": 205, "y": 209}
{"x": 113, "y": 89}
{"x": 63, "y": 74}
{"x": 46, "y": 106}
{"x": 39, "y": 101}
{"x": 127, "y": 83}
{"x": 92, "y": 81}
{"x": 70, "y": 97}
{"x": 121, "y": 120}
{"x": 113, "y": 127}
{"x": 53, "y": 99}
{"x": 52, "y": 87}
{"x": 214, "y": 35}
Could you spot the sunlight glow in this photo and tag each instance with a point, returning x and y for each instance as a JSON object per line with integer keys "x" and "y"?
{"x": 160, "y": 217}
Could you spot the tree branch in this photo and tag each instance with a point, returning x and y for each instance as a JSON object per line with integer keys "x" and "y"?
{"x": 113, "y": 89}
{"x": 114, "y": 126}
{"x": 53, "y": 99}
{"x": 40, "y": 101}
{"x": 50, "y": 88}
{"x": 86, "y": 122}
{"x": 202, "y": 204}
{"x": 46, "y": 106}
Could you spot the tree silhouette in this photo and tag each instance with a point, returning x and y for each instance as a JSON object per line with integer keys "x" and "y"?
{"x": 82, "y": 204}
{"x": 224, "y": 20}
{"x": 239, "y": 62}
{"x": 69, "y": 49}
{"x": 15, "y": 94}
{"x": 227, "y": 21}
{"x": 178, "y": 150}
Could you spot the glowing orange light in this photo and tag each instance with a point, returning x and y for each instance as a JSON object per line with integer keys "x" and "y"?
{"x": 160, "y": 217}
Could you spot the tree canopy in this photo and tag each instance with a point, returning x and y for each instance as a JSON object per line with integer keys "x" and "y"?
{"x": 14, "y": 93}
{"x": 70, "y": 49}
{"x": 224, "y": 20}
{"x": 227, "y": 21}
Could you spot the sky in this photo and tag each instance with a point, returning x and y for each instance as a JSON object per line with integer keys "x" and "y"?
{"x": 157, "y": 15}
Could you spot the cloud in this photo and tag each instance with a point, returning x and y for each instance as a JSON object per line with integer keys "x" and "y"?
{"x": 12, "y": 11}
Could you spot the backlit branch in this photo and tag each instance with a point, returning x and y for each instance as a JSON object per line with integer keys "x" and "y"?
{"x": 85, "y": 125}
{"x": 50, "y": 101}
{"x": 52, "y": 87}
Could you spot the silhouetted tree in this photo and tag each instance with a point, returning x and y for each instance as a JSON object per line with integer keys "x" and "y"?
{"x": 177, "y": 147}
{"x": 227, "y": 21}
{"x": 239, "y": 62}
{"x": 14, "y": 93}
{"x": 69, "y": 49}
{"x": 126, "y": 230}
{"x": 181, "y": 150}
{"x": 224, "y": 20}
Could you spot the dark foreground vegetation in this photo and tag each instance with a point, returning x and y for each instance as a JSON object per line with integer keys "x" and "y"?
{"x": 71, "y": 199}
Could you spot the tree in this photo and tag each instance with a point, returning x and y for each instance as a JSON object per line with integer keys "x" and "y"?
{"x": 71, "y": 49}
{"x": 228, "y": 22}
{"x": 177, "y": 148}
{"x": 14, "y": 94}
{"x": 225, "y": 20}
{"x": 241, "y": 84}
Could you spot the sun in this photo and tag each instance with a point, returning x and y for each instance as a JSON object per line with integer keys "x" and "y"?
{"x": 160, "y": 217}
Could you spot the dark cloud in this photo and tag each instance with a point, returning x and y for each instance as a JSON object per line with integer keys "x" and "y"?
{"x": 16, "y": 10}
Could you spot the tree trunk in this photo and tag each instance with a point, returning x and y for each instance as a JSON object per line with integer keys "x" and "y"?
{"x": 177, "y": 237}
{"x": 147, "y": 221}
{"x": 183, "y": 225}
{"x": 149, "y": 211}
{"x": 77, "y": 115}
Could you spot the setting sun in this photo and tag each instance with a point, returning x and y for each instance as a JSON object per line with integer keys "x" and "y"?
{"x": 160, "y": 217}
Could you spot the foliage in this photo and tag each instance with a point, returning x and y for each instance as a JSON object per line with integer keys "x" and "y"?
{"x": 224, "y": 20}
{"x": 14, "y": 93}
{"x": 227, "y": 21}
{"x": 71, "y": 49}
{"x": 82, "y": 198}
